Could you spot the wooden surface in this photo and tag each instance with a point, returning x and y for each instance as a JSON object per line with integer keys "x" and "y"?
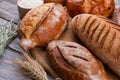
{"x": 8, "y": 11}
{"x": 8, "y": 69}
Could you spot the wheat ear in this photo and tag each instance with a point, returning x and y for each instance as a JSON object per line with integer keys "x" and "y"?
{"x": 32, "y": 68}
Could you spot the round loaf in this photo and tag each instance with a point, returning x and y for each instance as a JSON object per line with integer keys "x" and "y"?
{"x": 98, "y": 7}
{"x": 42, "y": 25}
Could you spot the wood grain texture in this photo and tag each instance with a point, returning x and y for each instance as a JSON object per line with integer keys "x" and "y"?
{"x": 10, "y": 1}
{"x": 8, "y": 69}
{"x": 9, "y": 11}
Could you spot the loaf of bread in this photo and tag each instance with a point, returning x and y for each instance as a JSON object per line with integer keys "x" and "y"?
{"x": 98, "y": 7}
{"x": 56, "y": 1}
{"x": 101, "y": 36}
{"x": 42, "y": 25}
{"x": 74, "y": 62}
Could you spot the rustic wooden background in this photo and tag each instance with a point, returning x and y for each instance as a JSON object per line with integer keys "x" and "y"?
{"x": 8, "y": 69}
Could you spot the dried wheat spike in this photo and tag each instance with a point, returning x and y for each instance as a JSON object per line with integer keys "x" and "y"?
{"x": 32, "y": 68}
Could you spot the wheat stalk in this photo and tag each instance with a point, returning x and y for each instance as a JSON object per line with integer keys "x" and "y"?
{"x": 32, "y": 68}
{"x": 7, "y": 32}
{"x": 40, "y": 56}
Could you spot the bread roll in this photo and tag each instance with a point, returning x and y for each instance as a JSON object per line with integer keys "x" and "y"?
{"x": 101, "y": 36}
{"x": 42, "y": 25}
{"x": 74, "y": 62}
{"x": 98, "y": 7}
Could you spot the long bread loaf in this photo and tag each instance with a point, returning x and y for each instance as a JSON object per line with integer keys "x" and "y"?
{"x": 101, "y": 36}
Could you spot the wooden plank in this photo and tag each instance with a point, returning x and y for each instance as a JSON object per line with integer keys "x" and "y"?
{"x": 11, "y": 1}
{"x": 9, "y": 12}
{"x": 9, "y": 70}
{"x": 2, "y": 21}
{"x": 10, "y": 8}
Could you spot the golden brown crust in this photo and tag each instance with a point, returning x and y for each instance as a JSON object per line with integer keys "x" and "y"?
{"x": 56, "y": 1}
{"x": 37, "y": 15}
{"x": 101, "y": 36}
{"x": 43, "y": 24}
{"x": 98, "y": 7}
{"x": 74, "y": 62}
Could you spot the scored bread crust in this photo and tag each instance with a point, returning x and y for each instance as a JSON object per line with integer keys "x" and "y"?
{"x": 42, "y": 24}
{"x": 101, "y": 36}
{"x": 74, "y": 62}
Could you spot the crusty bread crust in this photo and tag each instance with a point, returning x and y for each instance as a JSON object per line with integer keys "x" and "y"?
{"x": 98, "y": 7}
{"x": 56, "y": 1}
{"x": 42, "y": 24}
{"x": 101, "y": 36}
{"x": 74, "y": 62}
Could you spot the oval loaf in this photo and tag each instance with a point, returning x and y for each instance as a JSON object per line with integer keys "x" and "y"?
{"x": 74, "y": 62}
{"x": 101, "y": 36}
{"x": 42, "y": 25}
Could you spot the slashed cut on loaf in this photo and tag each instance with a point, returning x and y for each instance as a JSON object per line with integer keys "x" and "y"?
{"x": 74, "y": 62}
{"x": 42, "y": 25}
{"x": 101, "y": 36}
